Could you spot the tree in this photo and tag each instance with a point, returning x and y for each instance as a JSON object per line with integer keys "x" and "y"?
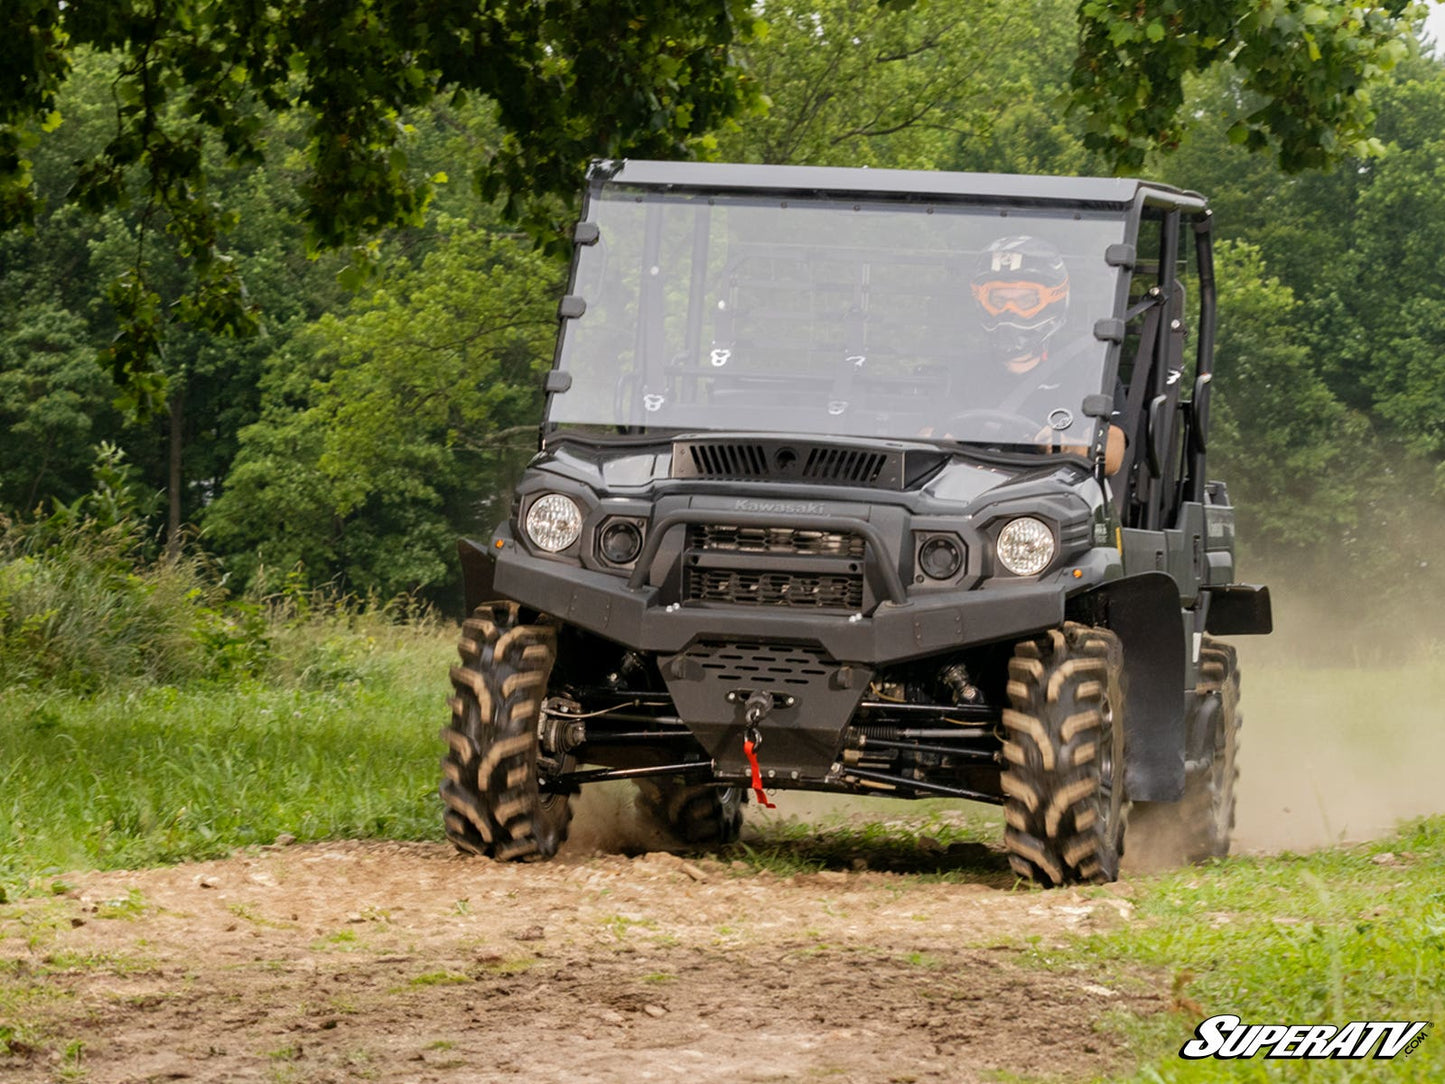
{"x": 392, "y": 427}
{"x": 1307, "y": 68}
{"x": 1287, "y": 446}
{"x": 197, "y": 80}
{"x": 858, "y": 82}
{"x": 54, "y": 405}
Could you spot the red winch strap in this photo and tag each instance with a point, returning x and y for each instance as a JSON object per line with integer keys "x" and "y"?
{"x": 757, "y": 776}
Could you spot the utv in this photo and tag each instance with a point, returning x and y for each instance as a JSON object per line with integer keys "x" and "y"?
{"x": 870, "y": 482}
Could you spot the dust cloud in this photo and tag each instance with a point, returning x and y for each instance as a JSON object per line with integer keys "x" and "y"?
{"x": 1336, "y": 745}
{"x": 605, "y": 820}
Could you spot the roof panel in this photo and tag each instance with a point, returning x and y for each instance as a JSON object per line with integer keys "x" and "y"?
{"x": 1005, "y": 187}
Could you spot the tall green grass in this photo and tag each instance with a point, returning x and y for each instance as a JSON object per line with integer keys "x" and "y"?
{"x": 146, "y": 716}
{"x": 82, "y": 610}
{"x": 344, "y": 746}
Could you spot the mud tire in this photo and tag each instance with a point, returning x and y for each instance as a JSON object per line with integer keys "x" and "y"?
{"x": 1064, "y": 805}
{"x": 1209, "y": 798}
{"x": 694, "y": 814}
{"x": 491, "y": 775}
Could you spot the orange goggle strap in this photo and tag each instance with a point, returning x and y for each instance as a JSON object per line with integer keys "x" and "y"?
{"x": 1047, "y": 295}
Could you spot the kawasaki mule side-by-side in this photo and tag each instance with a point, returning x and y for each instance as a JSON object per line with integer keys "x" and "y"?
{"x": 797, "y": 522}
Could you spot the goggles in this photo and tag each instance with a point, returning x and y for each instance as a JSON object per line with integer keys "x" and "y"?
{"x": 1022, "y": 298}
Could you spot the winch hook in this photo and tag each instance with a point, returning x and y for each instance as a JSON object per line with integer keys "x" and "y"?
{"x": 755, "y": 710}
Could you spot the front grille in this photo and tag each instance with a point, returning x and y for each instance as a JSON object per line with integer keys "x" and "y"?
{"x": 760, "y": 664}
{"x": 774, "y": 566}
{"x": 722, "y": 537}
{"x": 803, "y": 460}
{"x": 841, "y": 591}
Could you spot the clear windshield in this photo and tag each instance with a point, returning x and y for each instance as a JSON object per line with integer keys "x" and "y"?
{"x": 744, "y": 312}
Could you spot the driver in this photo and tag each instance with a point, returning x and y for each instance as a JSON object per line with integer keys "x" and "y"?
{"x": 1021, "y": 289}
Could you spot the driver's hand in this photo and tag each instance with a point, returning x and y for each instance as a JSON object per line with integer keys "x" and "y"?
{"x": 1046, "y": 437}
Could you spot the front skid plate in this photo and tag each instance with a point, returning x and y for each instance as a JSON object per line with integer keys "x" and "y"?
{"x": 814, "y": 699}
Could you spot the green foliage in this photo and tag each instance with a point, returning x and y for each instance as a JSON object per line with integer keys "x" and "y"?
{"x": 52, "y": 396}
{"x": 1283, "y": 441}
{"x": 384, "y": 424}
{"x": 195, "y": 83}
{"x": 1307, "y": 73}
{"x": 82, "y": 609}
{"x": 855, "y": 82}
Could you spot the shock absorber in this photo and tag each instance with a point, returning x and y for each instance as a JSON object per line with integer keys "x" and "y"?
{"x": 955, "y": 678}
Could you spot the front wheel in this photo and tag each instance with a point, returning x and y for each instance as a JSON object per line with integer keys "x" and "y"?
{"x": 1064, "y": 803}
{"x": 492, "y": 785}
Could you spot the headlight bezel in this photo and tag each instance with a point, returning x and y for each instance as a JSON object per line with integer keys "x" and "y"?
{"x": 553, "y": 537}
{"x": 923, "y": 542}
{"x": 638, "y": 528}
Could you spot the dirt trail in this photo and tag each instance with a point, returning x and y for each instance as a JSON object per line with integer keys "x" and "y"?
{"x": 405, "y": 962}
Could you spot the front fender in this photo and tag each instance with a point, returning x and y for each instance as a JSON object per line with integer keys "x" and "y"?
{"x": 1144, "y": 612}
{"x": 479, "y": 570}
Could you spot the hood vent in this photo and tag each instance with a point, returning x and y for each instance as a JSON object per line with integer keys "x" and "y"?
{"x": 723, "y": 460}
{"x": 805, "y": 461}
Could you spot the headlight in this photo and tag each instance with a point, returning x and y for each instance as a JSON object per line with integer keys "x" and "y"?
{"x": 1025, "y": 546}
{"x": 554, "y": 522}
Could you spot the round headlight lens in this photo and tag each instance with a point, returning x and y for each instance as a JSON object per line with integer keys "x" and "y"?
{"x": 620, "y": 542}
{"x": 939, "y": 558}
{"x": 554, "y": 522}
{"x": 1025, "y": 546}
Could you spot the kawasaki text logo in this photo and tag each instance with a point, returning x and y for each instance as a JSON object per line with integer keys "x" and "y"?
{"x": 795, "y": 508}
{"x": 1226, "y": 1036}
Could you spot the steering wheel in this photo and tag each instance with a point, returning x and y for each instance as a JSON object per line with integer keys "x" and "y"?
{"x": 1003, "y": 426}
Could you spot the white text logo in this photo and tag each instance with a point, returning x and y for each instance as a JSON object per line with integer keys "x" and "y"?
{"x": 1226, "y": 1036}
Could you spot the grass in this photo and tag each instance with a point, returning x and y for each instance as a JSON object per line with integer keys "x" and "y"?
{"x": 936, "y": 841}
{"x": 1349, "y": 933}
{"x": 157, "y": 774}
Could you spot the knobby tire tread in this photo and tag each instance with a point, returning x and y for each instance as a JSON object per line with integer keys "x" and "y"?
{"x": 1061, "y": 827}
{"x": 490, "y": 774}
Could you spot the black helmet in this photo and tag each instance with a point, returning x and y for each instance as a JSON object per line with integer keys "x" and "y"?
{"x": 1022, "y": 289}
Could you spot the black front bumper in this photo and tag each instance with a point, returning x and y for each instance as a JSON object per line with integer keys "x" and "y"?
{"x": 604, "y": 604}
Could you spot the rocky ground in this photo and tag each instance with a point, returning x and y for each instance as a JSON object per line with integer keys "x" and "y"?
{"x": 406, "y": 962}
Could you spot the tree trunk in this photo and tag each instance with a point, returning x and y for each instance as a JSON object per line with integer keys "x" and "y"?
{"x": 173, "y": 485}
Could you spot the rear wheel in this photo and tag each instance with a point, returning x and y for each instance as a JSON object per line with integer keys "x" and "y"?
{"x": 1064, "y": 787}
{"x": 492, "y": 785}
{"x": 693, "y": 813}
{"x": 1208, "y": 807}
{"x": 1199, "y": 825}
